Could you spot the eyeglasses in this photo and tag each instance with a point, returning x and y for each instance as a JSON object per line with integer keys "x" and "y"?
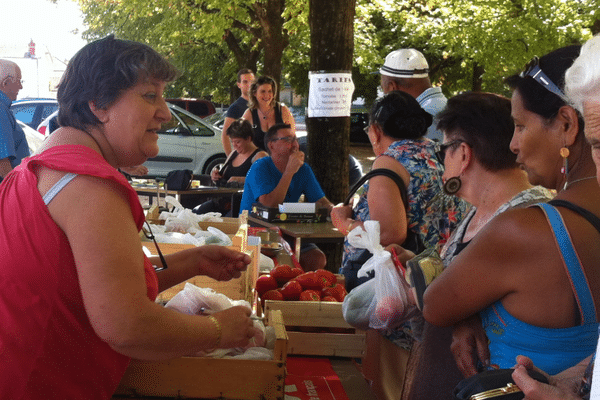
{"x": 533, "y": 70}
{"x": 441, "y": 153}
{"x": 287, "y": 139}
{"x": 150, "y": 235}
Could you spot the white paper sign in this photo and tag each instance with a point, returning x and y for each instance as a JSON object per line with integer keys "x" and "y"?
{"x": 330, "y": 94}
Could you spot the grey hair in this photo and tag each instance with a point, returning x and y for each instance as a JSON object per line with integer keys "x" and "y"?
{"x": 582, "y": 79}
{"x": 7, "y": 68}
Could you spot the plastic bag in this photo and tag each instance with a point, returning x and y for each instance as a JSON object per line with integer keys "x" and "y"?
{"x": 389, "y": 307}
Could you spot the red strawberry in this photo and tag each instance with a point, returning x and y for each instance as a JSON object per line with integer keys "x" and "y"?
{"x": 327, "y": 275}
{"x": 310, "y": 295}
{"x": 272, "y": 295}
{"x": 336, "y": 291}
{"x": 282, "y": 273}
{"x": 265, "y": 283}
{"x": 291, "y": 290}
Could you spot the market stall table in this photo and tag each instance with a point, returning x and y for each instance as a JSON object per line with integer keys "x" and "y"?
{"x": 189, "y": 198}
{"x": 320, "y": 233}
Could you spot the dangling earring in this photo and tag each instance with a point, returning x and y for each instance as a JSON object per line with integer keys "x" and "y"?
{"x": 452, "y": 185}
{"x": 564, "y": 153}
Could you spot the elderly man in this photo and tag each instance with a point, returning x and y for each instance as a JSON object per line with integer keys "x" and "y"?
{"x": 407, "y": 70}
{"x": 284, "y": 177}
{"x": 245, "y": 77}
{"x": 13, "y": 144}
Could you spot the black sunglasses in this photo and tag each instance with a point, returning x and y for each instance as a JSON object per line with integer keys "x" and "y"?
{"x": 533, "y": 70}
{"x": 150, "y": 235}
{"x": 441, "y": 153}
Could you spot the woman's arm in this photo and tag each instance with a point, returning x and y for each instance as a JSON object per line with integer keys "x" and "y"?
{"x": 287, "y": 117}
{"x": 109, "y": 262}
{"x": 385, "y": 203}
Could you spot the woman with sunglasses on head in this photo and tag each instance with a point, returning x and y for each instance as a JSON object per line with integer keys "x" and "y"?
{"x": 76, "y": 290}
{"x": 530, "y": 274}
{"x": 480, "y": 169}
{"x": 264, "y": 110}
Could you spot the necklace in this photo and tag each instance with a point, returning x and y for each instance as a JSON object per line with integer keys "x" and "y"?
{"x": 265, "y": 115}
{"x": 567, "y": 184}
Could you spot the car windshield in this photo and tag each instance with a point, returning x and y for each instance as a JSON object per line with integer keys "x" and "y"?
{"x": 182, "y": 122}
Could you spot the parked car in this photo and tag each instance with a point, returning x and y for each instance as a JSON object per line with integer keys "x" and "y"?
{"x": 185, "y": 142}
{"x": 33, "y": 111}
{"x": 34, "y": 138}
{"x": 200, "y": 107}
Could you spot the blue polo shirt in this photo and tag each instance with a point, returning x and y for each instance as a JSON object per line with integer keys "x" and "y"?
{"x": 237, "y": 109}
{"x": 13, "y": 144}
{"x": 263, "y": 177}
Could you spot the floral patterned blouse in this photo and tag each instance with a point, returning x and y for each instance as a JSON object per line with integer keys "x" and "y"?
{"x": 432, "y": 214}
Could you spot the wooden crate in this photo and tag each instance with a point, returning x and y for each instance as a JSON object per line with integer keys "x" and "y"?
{"x": 332, "y": 335}
{"x": 241, "y": 288}
{"x": 204, "y": 377}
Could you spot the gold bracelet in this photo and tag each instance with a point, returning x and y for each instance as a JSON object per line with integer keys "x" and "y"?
{"x": 219, "y": 331}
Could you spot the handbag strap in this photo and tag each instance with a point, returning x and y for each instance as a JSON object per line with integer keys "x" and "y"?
{"x": 380, "y": 171}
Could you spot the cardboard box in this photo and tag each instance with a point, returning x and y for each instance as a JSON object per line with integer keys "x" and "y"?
{"x": 204, "y": 377}
{"x": 318, "y": 329}
{"x": 272, "y": 214}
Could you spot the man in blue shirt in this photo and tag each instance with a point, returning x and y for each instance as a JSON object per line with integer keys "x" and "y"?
{"x": 284, "y": 177}
{"x": 407, "y": 70}
{"x": 13, "y": 144}
{"x": 245, "y": 77}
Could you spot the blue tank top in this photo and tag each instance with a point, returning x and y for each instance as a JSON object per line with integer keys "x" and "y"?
{"x": 552, "y": 350}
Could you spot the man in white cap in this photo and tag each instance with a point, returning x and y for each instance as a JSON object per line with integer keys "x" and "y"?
{"x": 407, "y": 70}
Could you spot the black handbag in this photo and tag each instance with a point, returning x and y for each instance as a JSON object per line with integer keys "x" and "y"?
{"x": 413, "y": 241}
{"x": 180, "y": 179}
{"x": 494, "y": 384}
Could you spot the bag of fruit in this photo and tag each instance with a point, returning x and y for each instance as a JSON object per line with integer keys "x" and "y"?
{"x": 389, "y": 306}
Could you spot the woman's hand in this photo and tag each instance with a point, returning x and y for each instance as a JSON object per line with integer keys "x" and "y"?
{"x": 221, "y": 263}
{"x": 536, "y": 390}
{"x": 215, "y": 174}
{"x": 236, "y": 327}
{"x": 339, "y": 217}
{"x": 469, "y": 344}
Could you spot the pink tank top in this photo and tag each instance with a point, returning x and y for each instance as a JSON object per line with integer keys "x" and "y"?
{"x": 48, "y": 349}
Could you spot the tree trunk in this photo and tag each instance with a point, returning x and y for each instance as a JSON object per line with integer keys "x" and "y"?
{"x": 274, "y": 38}
{"x": 332, "y": 47}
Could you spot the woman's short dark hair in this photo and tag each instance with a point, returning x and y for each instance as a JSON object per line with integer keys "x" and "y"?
{"x": 100, "y": 72}
{"x": 484, "y": 122}
{"x": 400, "y": 116}
{"x": 262, "y": 80}
{"x": 536, "y": 98}
{"x": 240, "y": 129}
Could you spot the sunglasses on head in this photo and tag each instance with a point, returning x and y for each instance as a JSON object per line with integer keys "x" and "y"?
{"x": 441, "y": 153}
{"x": 533, "y": 70}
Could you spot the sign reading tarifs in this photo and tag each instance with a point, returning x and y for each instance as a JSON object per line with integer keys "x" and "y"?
{"x": 330, "y": 94}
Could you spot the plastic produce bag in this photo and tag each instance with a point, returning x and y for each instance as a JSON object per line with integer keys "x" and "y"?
{"x": 389, "y": 307}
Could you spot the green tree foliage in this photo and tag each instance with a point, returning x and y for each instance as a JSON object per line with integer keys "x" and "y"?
{"x": 470, "y": 44}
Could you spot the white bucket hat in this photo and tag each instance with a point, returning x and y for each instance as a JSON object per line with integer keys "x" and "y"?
{"x": 405, "y": 63}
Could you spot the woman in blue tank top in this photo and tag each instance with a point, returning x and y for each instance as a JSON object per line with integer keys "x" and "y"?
{"x": 531, "y": 274}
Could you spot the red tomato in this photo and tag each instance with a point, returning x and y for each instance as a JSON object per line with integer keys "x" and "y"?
{"x": 273, "y": 295}
{"x": 265, "y": 283}
{"x": 336, "y": 291}
{"x": 329, "y": 298}
{"x": 327, "y": 275}
{"x": 310, "y": 280}
{"x": 282, "y": 273}
{"x": 297, "y": 271}
{"x": 291, "y": 290}
{"x": 310, "y": 295}
{"x": 389, "y": 309}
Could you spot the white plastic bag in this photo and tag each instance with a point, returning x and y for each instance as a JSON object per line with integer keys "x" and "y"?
{"x": 389, "y": 307}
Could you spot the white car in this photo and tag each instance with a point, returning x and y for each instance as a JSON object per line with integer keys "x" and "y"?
{"x": 185, "y": 142}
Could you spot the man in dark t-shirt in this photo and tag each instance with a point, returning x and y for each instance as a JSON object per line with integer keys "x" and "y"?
{"x": 245, "y": 77}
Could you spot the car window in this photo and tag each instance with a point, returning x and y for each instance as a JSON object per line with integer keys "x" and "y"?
{"x": 24, "y": 113}
{"x": 48, "y": 109}
{"x": 183, "y": 121}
